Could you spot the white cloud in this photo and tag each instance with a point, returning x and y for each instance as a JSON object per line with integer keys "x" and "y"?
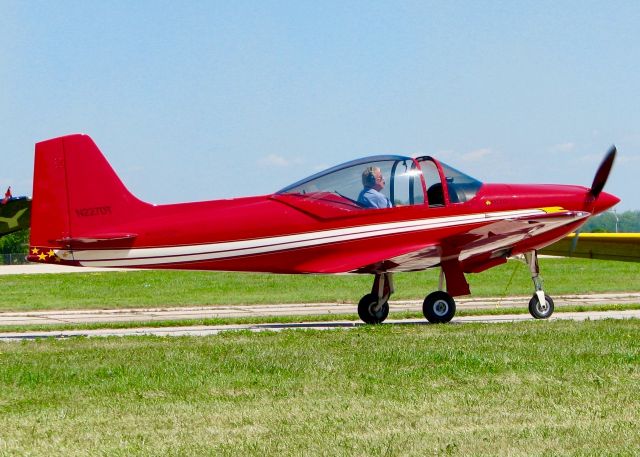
{"x": 592, "y": 158}
{"x": 278, "y": 161}
{"x": 563, "y": 147}
{"x": 625, "y": 159}
{"x": 476, "y": 155}
{"x": 444, "y": 154}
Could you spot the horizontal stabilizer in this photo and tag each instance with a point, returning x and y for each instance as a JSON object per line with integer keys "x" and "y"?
{"x": 96, "y": 238}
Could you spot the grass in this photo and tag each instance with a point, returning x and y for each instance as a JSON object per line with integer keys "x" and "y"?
{"x": 531, "y": 388}
{"x": 181, "y": 288}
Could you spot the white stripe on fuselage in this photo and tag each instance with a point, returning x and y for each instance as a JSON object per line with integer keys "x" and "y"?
{"x": 203, "y": 252}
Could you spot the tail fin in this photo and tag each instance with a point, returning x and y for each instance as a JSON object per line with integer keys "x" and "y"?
{"x": 77, "y": 197}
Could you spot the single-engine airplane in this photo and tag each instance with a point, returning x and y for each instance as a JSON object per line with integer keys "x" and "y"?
{"x": 82, "y": 214}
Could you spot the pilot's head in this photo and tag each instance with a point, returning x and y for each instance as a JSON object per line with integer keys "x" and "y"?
{"x": 372, "y": 178}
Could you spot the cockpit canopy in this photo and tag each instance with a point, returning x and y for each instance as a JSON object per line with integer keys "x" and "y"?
{"x": 409, "y": 181}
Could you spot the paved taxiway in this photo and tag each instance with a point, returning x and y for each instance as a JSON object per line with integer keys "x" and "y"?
{"x": 215, "y": 329}
{"x": 301, "y": 309}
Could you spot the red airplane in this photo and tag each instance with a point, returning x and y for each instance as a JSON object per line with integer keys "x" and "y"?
{"x": 83, "y": 215}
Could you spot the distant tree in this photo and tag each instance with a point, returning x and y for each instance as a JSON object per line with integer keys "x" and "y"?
{"x": 627, "y": 222}
{"x": 15, "y": 243}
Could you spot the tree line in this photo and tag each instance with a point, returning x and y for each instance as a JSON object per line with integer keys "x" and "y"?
{"x": 612, "y": 222}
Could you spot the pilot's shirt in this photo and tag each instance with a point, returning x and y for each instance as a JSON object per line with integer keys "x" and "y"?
{"x": 371, "y": 198}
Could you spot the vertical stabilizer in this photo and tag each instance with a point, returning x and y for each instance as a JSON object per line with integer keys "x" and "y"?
{"x": 77, "y": 197}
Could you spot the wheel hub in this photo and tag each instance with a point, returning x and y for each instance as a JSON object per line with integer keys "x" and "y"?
{"x": 440, "y": 307}
{"x": 375, "y": 309}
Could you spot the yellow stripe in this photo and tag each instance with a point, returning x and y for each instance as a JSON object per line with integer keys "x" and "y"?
{"x": 553, "y": 209}
{"x": 610, "y": 236}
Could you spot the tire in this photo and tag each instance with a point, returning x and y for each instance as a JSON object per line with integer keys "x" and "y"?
{"x": 439, "y": 307}
{"x": 365, "y": 310}
{"x": 538, "y": 311}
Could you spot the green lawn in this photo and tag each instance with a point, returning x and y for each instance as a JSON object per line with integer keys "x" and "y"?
{"x": 552, "y": 388}
{"x": 182, "y": 288}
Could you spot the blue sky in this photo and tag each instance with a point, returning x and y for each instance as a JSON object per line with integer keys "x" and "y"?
{"x": 204, "y": 100}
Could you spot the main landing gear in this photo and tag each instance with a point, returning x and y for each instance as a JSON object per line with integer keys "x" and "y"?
{"x": 541, "y": 305}
{"x": 439, "y": 307}
{"x": 373, "y": 308}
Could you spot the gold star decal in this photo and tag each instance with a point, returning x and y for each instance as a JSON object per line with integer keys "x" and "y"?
{"x": 35, "y": 251}
{"x": 51, "y": 253}
{"x": 42, "y": 256}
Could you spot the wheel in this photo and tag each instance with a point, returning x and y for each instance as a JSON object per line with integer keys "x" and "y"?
{"x": 537, "y": 310}
{"x": 365, "y": 310}
{"x": 439, "y": 307}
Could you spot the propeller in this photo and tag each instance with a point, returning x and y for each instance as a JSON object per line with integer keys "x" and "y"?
{"x": 600, "y": 179}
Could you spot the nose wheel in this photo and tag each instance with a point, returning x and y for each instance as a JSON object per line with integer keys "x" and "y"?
{"x": 541, "y": 310}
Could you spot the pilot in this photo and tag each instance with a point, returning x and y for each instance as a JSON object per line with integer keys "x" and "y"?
{"x": 370, "y": 196}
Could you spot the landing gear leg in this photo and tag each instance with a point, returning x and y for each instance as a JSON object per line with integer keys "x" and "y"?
{"x": 374, "y": 307}
{"x": 541, "y": 305}
{"x": 439, "y": 307}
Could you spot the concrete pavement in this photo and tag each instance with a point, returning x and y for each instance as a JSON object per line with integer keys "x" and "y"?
{"x": 303, "y": 309}
{"x": 216, "y": 329}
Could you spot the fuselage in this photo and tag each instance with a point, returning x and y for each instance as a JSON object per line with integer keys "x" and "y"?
{"x": 288, "y": 234}
{"x": 83, "y": 215}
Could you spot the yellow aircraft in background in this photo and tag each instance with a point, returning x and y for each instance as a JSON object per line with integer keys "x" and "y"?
{"x": 606, "y": 246}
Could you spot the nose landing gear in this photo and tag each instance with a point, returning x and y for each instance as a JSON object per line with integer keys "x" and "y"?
{"x": 541, "y": 305}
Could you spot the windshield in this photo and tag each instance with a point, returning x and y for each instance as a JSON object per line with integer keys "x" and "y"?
{"x": 400, "y": 183}
{"x": 462, "y": 187}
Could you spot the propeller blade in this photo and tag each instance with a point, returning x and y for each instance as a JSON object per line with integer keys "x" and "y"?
{"x": 600, "y": 179}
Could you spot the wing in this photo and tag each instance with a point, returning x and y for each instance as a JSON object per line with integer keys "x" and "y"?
{"x": 477, "y": 248}
{"x": 606, "y": 246}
